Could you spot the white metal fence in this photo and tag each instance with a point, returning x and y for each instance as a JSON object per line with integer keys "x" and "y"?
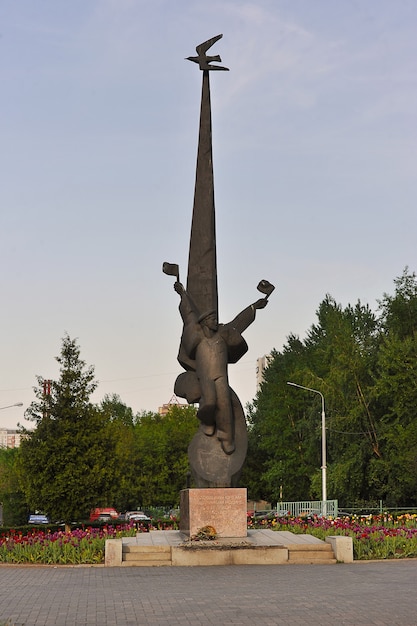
{"x": 324, "y": 508}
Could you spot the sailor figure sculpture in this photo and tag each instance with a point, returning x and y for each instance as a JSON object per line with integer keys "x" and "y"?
{"x": 207, "y": 348}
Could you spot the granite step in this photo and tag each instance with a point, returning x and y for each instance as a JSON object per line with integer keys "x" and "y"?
{"x": 146, "y": 556}
{"x": 317, "y": 554}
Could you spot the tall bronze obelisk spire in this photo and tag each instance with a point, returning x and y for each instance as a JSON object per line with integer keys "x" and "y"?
{"x": 202, "y": 265}
{"x": 218, "y": 449}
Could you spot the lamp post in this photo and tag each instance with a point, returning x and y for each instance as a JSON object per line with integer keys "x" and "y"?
{"x": 323, "y": 443}
{"x": 9, "y": 406}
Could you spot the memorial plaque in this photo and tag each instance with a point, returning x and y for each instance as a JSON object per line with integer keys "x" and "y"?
{"x": 224, "y": 509}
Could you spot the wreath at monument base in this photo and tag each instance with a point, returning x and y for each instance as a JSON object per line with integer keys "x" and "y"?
{"x": 205, "y": 533}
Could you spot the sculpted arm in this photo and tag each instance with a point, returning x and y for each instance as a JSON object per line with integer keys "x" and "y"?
{"x": 187, "y": 309}
{"x": 247, "y": 316}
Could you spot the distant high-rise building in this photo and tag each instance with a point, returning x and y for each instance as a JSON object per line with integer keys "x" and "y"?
{"x": 261, "y": 365}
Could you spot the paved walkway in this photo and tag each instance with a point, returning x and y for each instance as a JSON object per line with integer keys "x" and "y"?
{"x": 258, "y": 537}
{"x": 364, "y": 593}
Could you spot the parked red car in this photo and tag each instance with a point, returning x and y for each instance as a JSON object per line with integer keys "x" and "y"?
{"x": 95, "y": 513}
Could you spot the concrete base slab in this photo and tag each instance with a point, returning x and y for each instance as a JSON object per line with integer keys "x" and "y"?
{"x": 113, "y": 552}
{"x": 228, "y": 555}
{"x": 259, "y": 547}
{"x": 342, "y": 548}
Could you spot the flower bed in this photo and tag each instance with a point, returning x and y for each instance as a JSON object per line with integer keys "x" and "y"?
{"x": 374, "y": 536}
{"x": 60, "y": 547}
{"x": 79, "y": 546}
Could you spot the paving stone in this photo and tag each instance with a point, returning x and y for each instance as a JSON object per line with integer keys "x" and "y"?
{"x": 376, "y": 593}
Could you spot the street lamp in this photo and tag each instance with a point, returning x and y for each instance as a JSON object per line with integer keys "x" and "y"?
{"x": 11, "y": 405}
{"x": 323, "y": 442}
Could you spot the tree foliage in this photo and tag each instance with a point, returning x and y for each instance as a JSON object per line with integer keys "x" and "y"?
{"x": 365, "y": 365}
{"x": 82, "y": 455}
{"x": 151, "y": 452}
{"x": 15, "y": 509}
{"x": 161, "y": 443}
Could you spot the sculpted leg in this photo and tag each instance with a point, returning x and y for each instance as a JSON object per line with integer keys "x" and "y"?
{"x": 224, "y": 418}
{"x": 207, "y": 407}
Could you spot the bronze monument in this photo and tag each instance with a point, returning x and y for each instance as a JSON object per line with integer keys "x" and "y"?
{"x": 218, "y": 450}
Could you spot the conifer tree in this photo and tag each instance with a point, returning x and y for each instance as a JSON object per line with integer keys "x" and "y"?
{"x": 66, "y": 462}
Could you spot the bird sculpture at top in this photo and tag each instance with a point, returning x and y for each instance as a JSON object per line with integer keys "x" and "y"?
{"x": 203, "y": 60}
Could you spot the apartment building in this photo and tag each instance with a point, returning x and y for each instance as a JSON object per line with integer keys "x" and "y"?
{"x": 10, "y": 438}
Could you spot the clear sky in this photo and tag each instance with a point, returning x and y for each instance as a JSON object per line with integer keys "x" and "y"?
{"x": 314, "y": 149}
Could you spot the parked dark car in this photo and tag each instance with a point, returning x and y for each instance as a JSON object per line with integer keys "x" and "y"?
{"x": 38, "y": 518}
{"x": 262, "y": 514}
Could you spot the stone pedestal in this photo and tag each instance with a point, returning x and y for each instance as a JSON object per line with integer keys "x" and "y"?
{"x": 224, "y": 509}
{"x": 342, "y": 548}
